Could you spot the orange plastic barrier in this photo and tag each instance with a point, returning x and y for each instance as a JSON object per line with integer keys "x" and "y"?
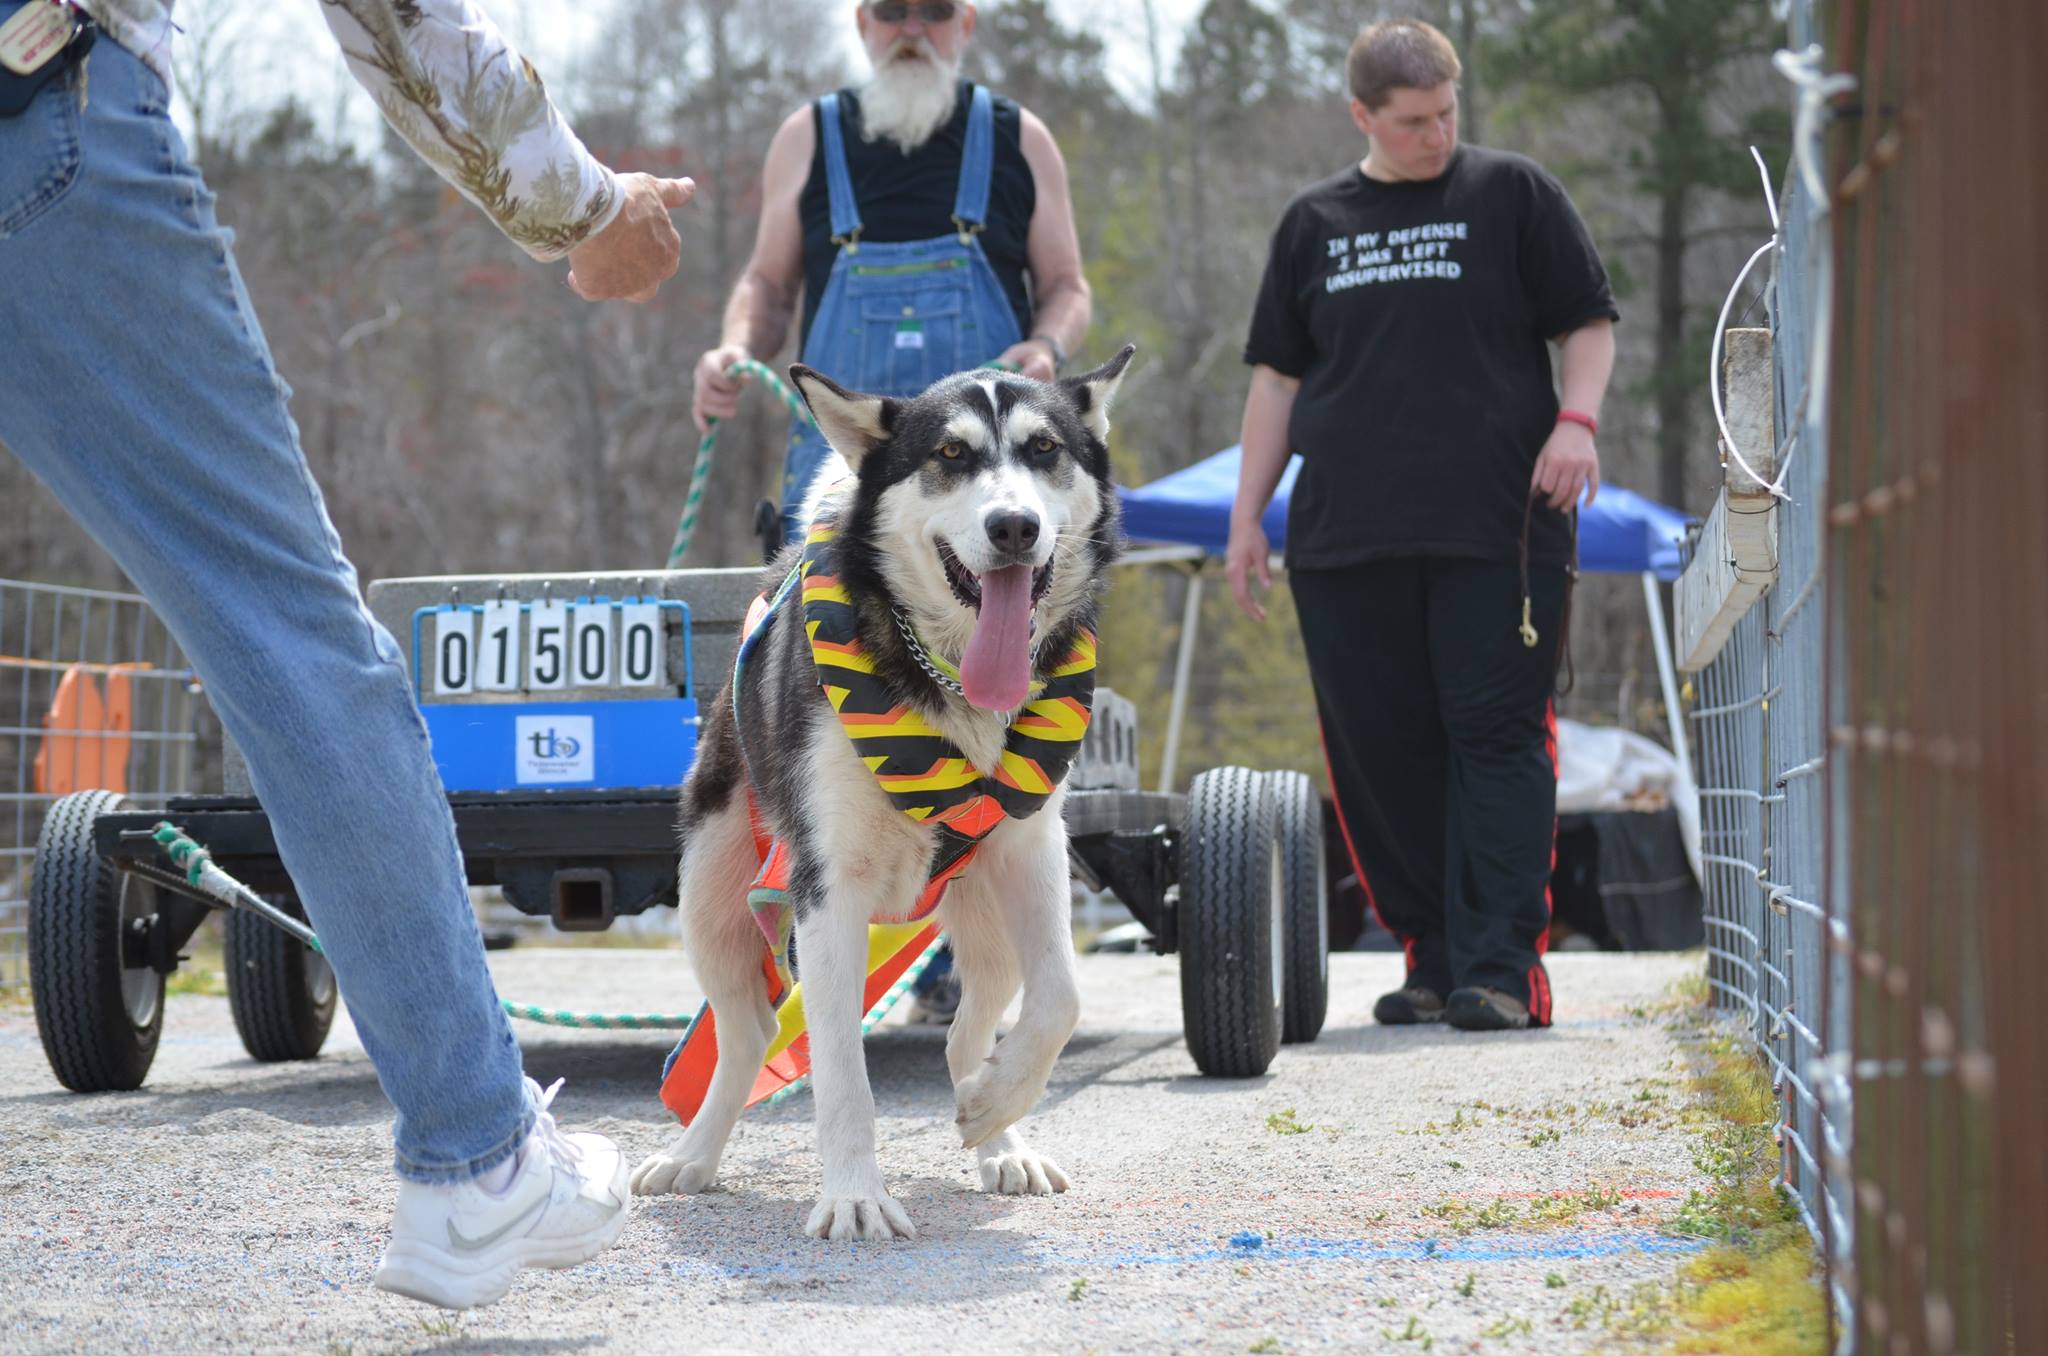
{"x": 88, "y": 742}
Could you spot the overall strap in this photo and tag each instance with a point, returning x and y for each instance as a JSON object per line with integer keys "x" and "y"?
{"x": 838, "y": 180}
{"x": 977, "y": 166}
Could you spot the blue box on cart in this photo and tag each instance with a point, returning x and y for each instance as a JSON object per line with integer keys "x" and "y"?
{"x": 559, "y": 745}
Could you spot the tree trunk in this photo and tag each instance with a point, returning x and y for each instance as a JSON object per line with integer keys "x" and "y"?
{"x": 1169, "y": 209}
{"x": 1468, "y": 54}
{"x": 1674, "y": 393}
{"x": 593, "y": 435}
{"x": 719, "y": 19}
{"x": 1198, "y": 316}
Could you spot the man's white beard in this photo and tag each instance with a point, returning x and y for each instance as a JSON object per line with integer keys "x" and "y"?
{"x": 907, "y": 100}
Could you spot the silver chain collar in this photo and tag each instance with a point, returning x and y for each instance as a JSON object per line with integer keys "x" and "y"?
{"x": 921, "y": 652}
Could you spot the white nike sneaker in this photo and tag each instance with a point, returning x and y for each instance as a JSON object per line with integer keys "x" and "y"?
{"x": 459, "y": 1246}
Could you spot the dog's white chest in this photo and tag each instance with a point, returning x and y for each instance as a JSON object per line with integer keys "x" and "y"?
{"x": 979, "y": 737}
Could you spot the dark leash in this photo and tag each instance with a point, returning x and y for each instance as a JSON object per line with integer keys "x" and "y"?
{"x": 1564, "y": 617}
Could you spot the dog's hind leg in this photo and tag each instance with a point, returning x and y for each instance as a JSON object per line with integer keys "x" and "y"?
{"x": 1026, "y": 867}
{"x": 724, "y": 948}
{"x": 986, "y": 957}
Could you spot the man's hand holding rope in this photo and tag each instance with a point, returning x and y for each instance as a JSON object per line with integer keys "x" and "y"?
{"x": 717, "y": 386}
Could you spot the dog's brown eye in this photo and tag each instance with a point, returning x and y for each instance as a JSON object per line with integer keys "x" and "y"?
{"x": 1045, "y": 446}
{"x": 952, "y": 451}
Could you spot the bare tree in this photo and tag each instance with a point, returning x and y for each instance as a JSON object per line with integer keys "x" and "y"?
{"x": 211, "y": 60}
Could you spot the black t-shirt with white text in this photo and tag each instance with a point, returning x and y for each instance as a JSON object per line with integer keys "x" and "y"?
{"x": 1416, "y": 316}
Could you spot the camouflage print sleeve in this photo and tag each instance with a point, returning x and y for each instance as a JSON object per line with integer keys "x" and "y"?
{"x": 476, "y": 110}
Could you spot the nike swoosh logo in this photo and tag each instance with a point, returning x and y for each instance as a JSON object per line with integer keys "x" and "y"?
{"x": 463, "y": 1244}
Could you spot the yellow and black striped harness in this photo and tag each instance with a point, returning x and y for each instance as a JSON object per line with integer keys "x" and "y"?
{"x": 917, "y": 767}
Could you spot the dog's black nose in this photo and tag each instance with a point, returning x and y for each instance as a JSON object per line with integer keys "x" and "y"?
{"x": 1013, "y": 532}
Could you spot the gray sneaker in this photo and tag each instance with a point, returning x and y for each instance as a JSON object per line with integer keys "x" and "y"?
{"x": 1408, "y": 1007}
{"x": 1481, "y": 1009}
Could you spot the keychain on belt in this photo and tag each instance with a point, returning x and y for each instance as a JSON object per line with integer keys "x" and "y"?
{"x": 38, "y": 43}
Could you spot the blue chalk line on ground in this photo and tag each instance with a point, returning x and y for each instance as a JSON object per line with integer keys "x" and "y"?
{"x": 1464, "y": 1250}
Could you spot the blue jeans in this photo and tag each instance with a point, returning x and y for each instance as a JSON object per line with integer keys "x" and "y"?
{"x": 136, "y": 384}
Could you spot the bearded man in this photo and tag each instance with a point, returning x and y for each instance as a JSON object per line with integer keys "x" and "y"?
{"x": 924, "y": 221}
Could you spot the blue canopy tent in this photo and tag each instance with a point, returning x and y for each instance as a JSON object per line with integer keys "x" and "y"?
{"x": 1620, "y": 532}
{"x": 1187, "y": 514}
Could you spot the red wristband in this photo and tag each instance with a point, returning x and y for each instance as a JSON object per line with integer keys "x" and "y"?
{"x": 1579, "y": 417}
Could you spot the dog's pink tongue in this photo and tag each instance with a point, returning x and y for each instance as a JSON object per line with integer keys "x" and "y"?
{"x": 995, "y": 672}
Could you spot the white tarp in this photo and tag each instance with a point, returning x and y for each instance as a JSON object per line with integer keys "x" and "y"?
{"x": 1600, "y": 768}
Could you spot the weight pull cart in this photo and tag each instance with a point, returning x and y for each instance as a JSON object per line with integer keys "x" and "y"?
{"x": 564, "y": 711}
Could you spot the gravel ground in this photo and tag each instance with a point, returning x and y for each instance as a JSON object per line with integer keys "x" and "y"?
{"x": 1380, "y": 1190}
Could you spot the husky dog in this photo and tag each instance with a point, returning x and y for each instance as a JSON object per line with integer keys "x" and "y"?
{"x": 959, "y": 559}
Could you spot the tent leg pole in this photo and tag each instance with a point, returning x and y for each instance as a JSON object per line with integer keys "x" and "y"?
{"x": 1667, "y": 677}
{"x": 1183, "y": 668}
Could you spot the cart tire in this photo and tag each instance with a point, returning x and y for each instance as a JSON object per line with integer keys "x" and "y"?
{"x": 99, "y": 1020}
{"x": 1299, "y": 811}
{"x": 1231, "y": 915}
{"x": 280, "y": 990}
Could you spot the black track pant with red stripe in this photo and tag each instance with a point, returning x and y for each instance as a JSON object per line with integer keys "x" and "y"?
{"x": 1440, "y": 734}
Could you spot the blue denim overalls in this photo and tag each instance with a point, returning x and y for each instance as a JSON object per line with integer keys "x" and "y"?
{"x": 894, "y": 318}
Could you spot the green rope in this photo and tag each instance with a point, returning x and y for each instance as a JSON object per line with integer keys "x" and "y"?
{"x": 194, "y": 860}
{"x": 185, "y": 854}
{"x": 597, "y": 1021}
{"x": 203, "y": 875}
{"x": 700, "y": 474}
{"x": 658, "y": 1021}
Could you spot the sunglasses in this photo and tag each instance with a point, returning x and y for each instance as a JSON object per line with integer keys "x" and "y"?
{"x": 931, "y": 11}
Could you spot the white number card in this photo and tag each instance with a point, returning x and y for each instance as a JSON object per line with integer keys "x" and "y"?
{"x": 455, "y": 651}
{"x": 641, "y": 657}
{"x": 590, "y": 644}
{"x": 497, "y": 658}
{"x": 547, "y": 647}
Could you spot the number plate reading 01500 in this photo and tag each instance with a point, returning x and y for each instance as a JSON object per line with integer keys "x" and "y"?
{"x": 505, "y": 646}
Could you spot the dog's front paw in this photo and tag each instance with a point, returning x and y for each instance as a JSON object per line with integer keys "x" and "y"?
{"x": 846, "y": 1217}
{"x": 993, "y": 1100}
{"x": 1022, "y": 1172}
{"x": 673, "y": 1170}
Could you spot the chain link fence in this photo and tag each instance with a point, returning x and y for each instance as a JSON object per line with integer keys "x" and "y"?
{"x": 1760, "y": 726}
{"x": 94, "y": 694}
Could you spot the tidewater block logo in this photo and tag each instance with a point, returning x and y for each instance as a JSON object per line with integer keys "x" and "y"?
{"x": 555, "y": 749}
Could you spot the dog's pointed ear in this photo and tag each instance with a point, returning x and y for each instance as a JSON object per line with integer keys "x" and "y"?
{"x": 853, "y": 423}
{"x": 1091, "y": 391}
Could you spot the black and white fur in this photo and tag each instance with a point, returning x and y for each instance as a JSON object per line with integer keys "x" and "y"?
{"x": 952, "y": 468}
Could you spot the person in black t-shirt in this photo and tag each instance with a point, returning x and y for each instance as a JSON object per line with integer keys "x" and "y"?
{"x": 1399, "y": 345}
